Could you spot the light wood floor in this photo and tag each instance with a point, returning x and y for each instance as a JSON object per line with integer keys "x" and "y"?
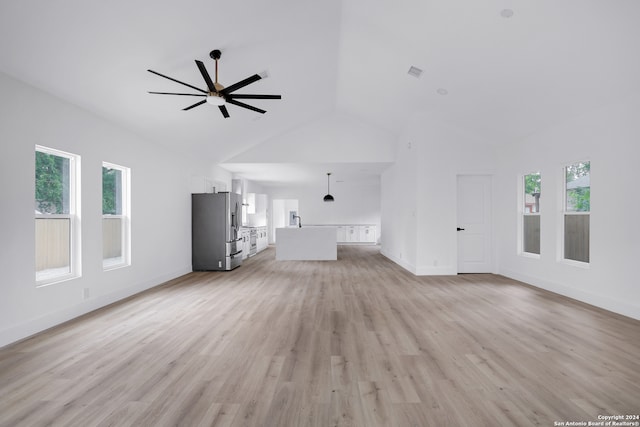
{"x": 357, "y": 342}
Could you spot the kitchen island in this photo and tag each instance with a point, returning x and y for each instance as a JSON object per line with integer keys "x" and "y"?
{"x": 306, "y": 244}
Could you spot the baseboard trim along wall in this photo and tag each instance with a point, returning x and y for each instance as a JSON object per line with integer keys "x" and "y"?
{"x": 24, "y": 330}
{"x": 601, "y": 301}
{"x": 402, "y": 263}
{"x": 443, "y": 270}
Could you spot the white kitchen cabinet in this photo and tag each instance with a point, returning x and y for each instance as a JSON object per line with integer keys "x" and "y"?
{"x": 250, "y": 201}
{"x": 353, "y": 234}
{"x": 367, "y": 234}
{"x": 245, "y": 242}
{"x": 262, "y": 239}
{"x": 262, "y": 203}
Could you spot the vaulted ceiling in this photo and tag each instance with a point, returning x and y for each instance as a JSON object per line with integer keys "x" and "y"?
{"x": 498, "y": 69}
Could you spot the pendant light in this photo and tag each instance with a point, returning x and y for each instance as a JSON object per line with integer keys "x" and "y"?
{"x": 328, "y": 197}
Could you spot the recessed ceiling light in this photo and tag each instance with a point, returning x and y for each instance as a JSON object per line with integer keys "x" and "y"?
{"x": 506, "y": 13}
{"x": 415, "y": 72}
{"x": 442, "y": 91}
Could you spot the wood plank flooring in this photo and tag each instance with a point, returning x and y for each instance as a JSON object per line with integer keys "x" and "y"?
{"x": 357, "y": 342}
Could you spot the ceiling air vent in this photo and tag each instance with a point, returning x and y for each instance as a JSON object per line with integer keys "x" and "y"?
{"x": 415, "y": 72}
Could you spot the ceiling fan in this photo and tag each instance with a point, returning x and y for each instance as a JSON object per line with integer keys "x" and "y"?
{"x": 217, "y": 94}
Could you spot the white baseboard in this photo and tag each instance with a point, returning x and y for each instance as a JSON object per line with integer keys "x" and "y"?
{"x": 597, "y": 300}
{"x": 402, "y": 263}
{"x": 443, "y": 270}
{"x": 33, "y": 326}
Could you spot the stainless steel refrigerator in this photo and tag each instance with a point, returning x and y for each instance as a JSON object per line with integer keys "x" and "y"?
{"x": 215, "y": 231}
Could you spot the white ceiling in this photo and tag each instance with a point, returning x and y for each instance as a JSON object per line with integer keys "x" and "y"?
{"x": 505, "y": 77}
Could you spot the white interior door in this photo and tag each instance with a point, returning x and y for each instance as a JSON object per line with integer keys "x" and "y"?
{"x": 474, "y": 224}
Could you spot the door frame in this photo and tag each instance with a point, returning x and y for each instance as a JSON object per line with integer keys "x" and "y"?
{"x": 492, "y": 248}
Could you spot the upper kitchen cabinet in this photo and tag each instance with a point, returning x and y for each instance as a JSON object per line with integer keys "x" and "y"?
{"x": 262, "y": 202}
{"x": 257, "y": 206}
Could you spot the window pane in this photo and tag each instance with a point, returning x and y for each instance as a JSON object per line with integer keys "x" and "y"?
{"x": 111, "y": 191}
{"x": 532, "y": 193}
{"x": 531, "y": 231}
{"x": 52, "y": 184}
{"x": 576, "y": 237}
{"x": 578, "y": 190}
{"x": 53, "y": 247}
{"x": 115, "y": 216}
{"x": 112, "y": 241}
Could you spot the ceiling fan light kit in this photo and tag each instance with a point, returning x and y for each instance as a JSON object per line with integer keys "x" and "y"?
{"x": 217, "y": 94}
{"x": 215, "y": 99}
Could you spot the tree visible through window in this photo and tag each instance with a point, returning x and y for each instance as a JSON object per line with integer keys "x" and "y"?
{"x": 578, "y": 187}
{"x": 577, "y": 208}
{"x": 115, "y": 216}
{"x": 52, "y": 183}
{"x": 531, "y": 213}
{"x": 111, "y": 191}
{"x": 54, "y": 214}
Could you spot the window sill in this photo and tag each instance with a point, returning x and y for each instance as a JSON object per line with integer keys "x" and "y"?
{"x": 529, "y": 255}
{"x": 579, "y": 264}
{"x": 55, "y": 280}
{"x": 114, "y": 264}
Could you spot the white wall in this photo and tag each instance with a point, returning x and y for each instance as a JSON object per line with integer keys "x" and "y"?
{"x": 335, "y": 137}
{"x": 398, "y": 205}
{"x": 355, "y": 202}
{"x": 280, "y": 215}
{"x": 262, "y": 207}
{"x": 443, "y": 154}
{"x": 419, "y": 195}
{"x": 610, "y": 138}
{"x": 218, "y": 178}
{"x": 161, "y": 219}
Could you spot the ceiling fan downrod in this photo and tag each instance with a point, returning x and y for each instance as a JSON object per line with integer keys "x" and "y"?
{"x": 215, "y": 55}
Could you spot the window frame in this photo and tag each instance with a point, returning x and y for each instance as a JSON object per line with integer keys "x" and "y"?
{"x": 125, "y": 217}
{"x": 521, "y": 215}
{"x": 75, "y": 267}
{"x": 564, "y": 212}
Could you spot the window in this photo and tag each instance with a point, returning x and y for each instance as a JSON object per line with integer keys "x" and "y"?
{"x": 115, "y": 216}
{"x": 531, "y": 213}
{"x": 57, "y": 235}
{"x": 577, "y": 208}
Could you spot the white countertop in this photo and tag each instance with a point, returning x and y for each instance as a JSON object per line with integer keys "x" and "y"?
{"x": 306, "y": 244}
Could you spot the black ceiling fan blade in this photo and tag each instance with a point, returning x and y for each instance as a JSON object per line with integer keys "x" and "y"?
{"x": 206, "y": 76}
{"x": 173, "y": 93}
{"x": 224, "y": 111}
{"x": 245, "y": 96}
{"x": 240, "y": 84}
{"x": 243, "y": 105}
{"x": 178, "y": 81}
{"x": 194, "y": 105}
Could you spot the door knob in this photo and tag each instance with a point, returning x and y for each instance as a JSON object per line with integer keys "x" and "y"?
{"x": 459, "y": 229}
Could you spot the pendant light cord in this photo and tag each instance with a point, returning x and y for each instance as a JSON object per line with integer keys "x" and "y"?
{"x": 328, "y": 197}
